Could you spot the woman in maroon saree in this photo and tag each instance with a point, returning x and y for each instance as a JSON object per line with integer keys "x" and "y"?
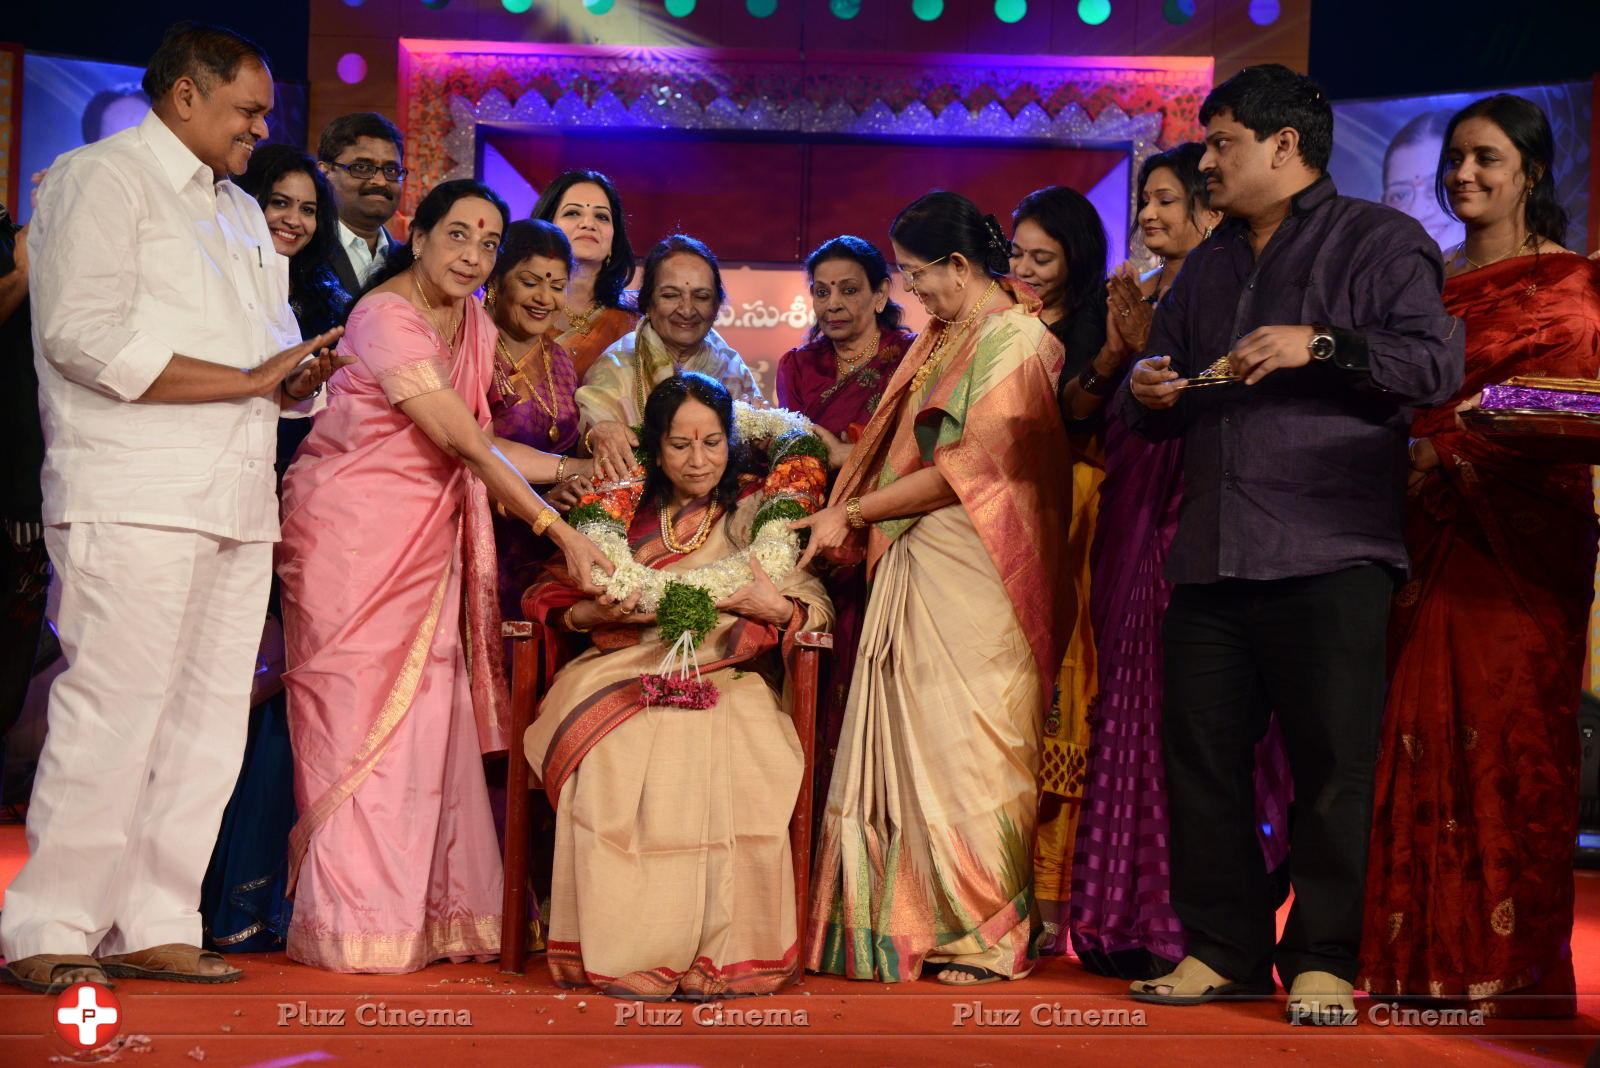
{"x": 836, "y": 379}
{"x": 1469, "y": 882}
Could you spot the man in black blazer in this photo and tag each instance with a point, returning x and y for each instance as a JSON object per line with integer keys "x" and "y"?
{"x": 362, "y": 155}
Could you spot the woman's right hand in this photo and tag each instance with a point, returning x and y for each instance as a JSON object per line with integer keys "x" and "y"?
{"x": 612, "y": 444}
{"x": 1129, "y": 312}
{"x": 607, "y": 611}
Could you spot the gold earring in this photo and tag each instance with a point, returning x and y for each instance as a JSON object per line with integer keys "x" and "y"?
{"x": 1207, "y": 235}
{"x": 489, "y": 294}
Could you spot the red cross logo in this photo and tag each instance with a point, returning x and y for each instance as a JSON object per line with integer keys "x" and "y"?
{"x": 87, "y": 1015}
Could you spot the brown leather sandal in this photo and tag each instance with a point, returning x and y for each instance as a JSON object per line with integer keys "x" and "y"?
{"x": 174, "y": 962}
{"x": 42, "y": 972}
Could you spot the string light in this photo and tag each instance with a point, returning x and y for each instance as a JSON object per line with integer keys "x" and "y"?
{"x": 927, "y": 10}
{"x": 1094, "y": 12}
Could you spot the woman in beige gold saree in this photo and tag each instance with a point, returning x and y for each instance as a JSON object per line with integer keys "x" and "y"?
{"x": 672, "y": 873}
{"x": 956, "y": 494}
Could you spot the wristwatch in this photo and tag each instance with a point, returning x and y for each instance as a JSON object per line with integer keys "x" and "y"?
{"x": 1321, "y": 343}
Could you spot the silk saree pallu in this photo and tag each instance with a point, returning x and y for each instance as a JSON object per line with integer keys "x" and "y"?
{"x": 926, "y": 852}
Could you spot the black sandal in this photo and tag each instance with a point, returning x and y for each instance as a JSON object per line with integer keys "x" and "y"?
{"x": 980, "y": 976}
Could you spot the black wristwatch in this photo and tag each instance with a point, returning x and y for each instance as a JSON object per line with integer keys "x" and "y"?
{"x": 1321, "y": 344}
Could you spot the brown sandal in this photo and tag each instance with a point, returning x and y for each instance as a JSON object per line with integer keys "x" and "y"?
{"x": 174, "y": 962}
{"x": 38, "y": 972}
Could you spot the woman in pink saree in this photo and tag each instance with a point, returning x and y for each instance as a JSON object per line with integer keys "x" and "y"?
{"x": 388, "y": 571}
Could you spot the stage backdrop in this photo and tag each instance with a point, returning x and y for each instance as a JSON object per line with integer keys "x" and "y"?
{"x": 1388, "y": 150}
{"x": 764, "y": 155}
{"x": 68, "y": 102}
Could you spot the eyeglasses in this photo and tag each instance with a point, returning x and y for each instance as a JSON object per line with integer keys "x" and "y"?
{"x": 361, "y": 170}
{"x": 910, "y": 276}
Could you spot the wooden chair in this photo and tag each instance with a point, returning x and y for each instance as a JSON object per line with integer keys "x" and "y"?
{"x": 525, "y": 683}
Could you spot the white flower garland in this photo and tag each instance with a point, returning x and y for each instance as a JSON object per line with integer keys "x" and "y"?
{"x": 774, "y": 545}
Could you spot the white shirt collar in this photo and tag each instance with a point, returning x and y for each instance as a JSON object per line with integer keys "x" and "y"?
{"x": 178, "y": 163}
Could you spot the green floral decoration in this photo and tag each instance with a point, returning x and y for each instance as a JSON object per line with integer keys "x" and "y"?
{"x": 685, "y": 608}
{"x": 641, "y": 455}
{"x": 593, "y": 512}
{"x": 798, "y": 443}
{"x": 783, "y": 510}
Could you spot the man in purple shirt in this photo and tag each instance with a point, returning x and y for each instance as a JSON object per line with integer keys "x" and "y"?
{"x": 1322, "y": 316}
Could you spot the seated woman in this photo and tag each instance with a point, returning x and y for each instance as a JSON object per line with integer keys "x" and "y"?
{"x": 587, "y": 208}
{"x": 672, "y": 872}
{"x": 679, "y": 294}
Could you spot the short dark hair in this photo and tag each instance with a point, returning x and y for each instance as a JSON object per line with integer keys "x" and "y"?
{"x": 672, "y": 245}
{"x": 662, "y": 404}
{"x": 95, "y": 110}
{"x": 865, "y": 254}
{"x": 210, "y": 55}
{"x": 1268, "y": 98}
{"x": 1071, "y": 221}
{"x": 1528, "y": 129}
{"x": 346, "y": 130}
{"x": 618, "y": 271}
{"x": 526, "y": 238}
{"x": 434, "y": 207}
{"x": 940, "y": 223}
{"x": 1184, "y": 162}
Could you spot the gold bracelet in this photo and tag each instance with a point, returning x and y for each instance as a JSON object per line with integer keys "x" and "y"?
{"x": 566, "y": 621}
{"x": 852, "y": 513}
{"x": 541, "y": 523}
{"x": 561, "y": 465}
{"x": 587, "y": 434}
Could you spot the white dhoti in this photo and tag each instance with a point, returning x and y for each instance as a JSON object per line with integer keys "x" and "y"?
{"x": 160, "y": 629}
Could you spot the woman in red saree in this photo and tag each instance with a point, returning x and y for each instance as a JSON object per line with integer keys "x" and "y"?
{"x": 390, "y": 621}
{"x": 1469, "y": 882}
{"x": 836, "y": 380}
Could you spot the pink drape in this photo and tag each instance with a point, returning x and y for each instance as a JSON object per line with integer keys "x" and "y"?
{"x": 394, "y": 685}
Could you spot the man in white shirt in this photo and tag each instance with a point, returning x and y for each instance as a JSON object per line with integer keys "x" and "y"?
{"x": 164, "y": 347}
{"x": 362, "y": 156}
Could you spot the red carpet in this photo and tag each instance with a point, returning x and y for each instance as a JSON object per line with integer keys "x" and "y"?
{"x": 283, "y": 1014}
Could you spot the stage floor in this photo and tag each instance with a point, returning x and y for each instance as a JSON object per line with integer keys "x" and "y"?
{"x": 283, "y": 1014}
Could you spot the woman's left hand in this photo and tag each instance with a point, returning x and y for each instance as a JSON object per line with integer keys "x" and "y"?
{"x": 829, "y": 530}
{"x": 1474, "y": 401}
{"x": 839, "y": 450}
{"x": 582, "y": 555}
{"x": 758, "y": 599}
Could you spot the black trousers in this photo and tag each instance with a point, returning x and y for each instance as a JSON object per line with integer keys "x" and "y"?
{"x": 1312, "y": 651}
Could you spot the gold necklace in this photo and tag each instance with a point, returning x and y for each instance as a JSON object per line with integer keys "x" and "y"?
{"x": 582, "y": 321}
{"x": 428, "y": 306}
{"x": 669, "y": 534}
{"x": 947, "y": 338}
{"x": 848, "y": 367}
{"x": 549, "y": 408}
{"x": 1512, "y": 251}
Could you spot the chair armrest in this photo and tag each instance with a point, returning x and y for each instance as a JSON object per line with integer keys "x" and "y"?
{"x": 811, "y": 639}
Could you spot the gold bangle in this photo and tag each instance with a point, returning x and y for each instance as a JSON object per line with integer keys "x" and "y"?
{"x": 541, "y": 523}
{"x": 852, "y": 513}
{"x": 566, "y": 621}
{"x": 587, "y": 434}
{"x": 561, "y": 465}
